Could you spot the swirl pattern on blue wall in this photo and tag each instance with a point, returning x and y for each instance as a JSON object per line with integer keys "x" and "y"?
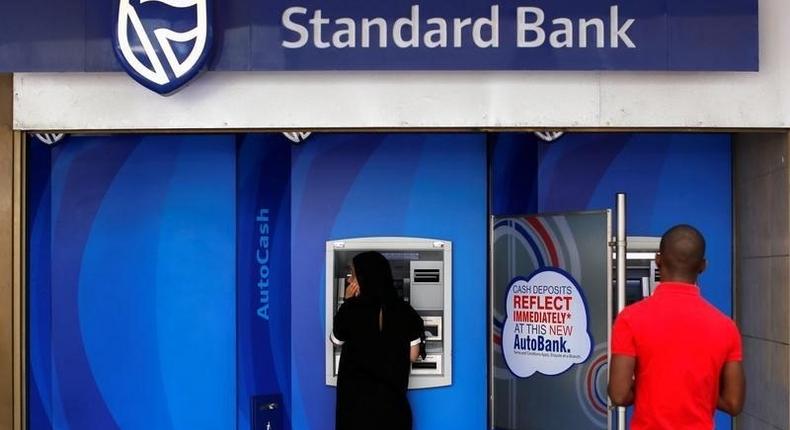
{"x": 419, "y": 185}
{"x": 135, "y": 315}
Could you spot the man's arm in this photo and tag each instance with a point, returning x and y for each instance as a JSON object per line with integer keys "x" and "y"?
{"x": 732, "y": 388}
{"x": 621, "y": 379}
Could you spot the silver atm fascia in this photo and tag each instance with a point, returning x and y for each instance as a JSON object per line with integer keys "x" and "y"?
{"x": 422, "y": 269}
{"x": 642, "y": 274}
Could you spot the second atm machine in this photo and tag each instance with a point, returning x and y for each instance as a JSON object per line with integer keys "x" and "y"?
{"x": 422, "y": 270}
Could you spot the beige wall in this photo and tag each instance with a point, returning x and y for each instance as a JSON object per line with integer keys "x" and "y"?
{"x": 762, "y": 221}
{"x": 12, "y": 263}
{"x": 6, "y": 247}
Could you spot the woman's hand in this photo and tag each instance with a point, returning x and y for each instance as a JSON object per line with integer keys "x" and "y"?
{"x": 414, "y": 353}
{"x": 352, "y": 290}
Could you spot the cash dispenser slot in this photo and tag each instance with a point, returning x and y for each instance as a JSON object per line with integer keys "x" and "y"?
{"x": 431, "y": 365}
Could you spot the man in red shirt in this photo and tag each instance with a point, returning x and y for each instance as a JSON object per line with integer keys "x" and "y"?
{"x": 675, "y": 356}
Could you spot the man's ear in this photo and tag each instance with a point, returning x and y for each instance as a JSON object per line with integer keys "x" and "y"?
{"x": 658, "y": 260}
{"x": 702, "y": 266}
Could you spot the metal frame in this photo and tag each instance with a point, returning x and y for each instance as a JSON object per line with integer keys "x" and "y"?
{"x": 621, "y": 258}
{"x": 19, "y": 265}
{"x": 609, "y": 310}
{"x": 489, "y": 323}
{"x": 418, "y": 380}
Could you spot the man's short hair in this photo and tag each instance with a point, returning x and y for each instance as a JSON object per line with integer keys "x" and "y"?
{"x": 682, "y": 247}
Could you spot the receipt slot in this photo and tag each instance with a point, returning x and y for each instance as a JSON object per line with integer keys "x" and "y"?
{"x": 422, "y": 273}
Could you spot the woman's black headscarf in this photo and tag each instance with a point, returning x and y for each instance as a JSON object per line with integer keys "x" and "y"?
{"x": 374, "y": 276}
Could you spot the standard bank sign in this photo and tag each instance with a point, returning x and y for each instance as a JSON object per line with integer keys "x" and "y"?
{"x": 163, "y": 44}
{"x": 532, "y": 28}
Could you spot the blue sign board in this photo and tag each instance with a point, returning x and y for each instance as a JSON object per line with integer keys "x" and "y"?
{"x": 404, "y": 35}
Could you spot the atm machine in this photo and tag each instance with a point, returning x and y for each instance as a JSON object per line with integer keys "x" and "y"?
{"x": 641, "y": 273}
{"x": 422, "y": 270}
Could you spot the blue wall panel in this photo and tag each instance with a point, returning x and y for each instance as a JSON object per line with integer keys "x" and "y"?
{"x": 134, "y": 309}
{"x": 142, "y": 301}
{"x": 264, "y": 270}
{"x": 514, "y": 161}
{"x": 426, "y": 185}
{"x": 669, "y": 179}
{"x": 39, "y": 381}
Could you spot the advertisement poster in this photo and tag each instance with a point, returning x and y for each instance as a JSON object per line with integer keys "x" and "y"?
{"x": 545, "y": 329}
{"x": 549, "y": 332}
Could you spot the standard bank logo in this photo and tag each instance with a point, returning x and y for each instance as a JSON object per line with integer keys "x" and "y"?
{"x": 163, "y": 44}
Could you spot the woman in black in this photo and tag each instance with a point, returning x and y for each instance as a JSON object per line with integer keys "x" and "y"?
{"x": 381, "y": 336}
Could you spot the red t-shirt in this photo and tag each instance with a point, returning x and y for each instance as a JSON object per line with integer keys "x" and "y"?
{"x": 681, "y": 343}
